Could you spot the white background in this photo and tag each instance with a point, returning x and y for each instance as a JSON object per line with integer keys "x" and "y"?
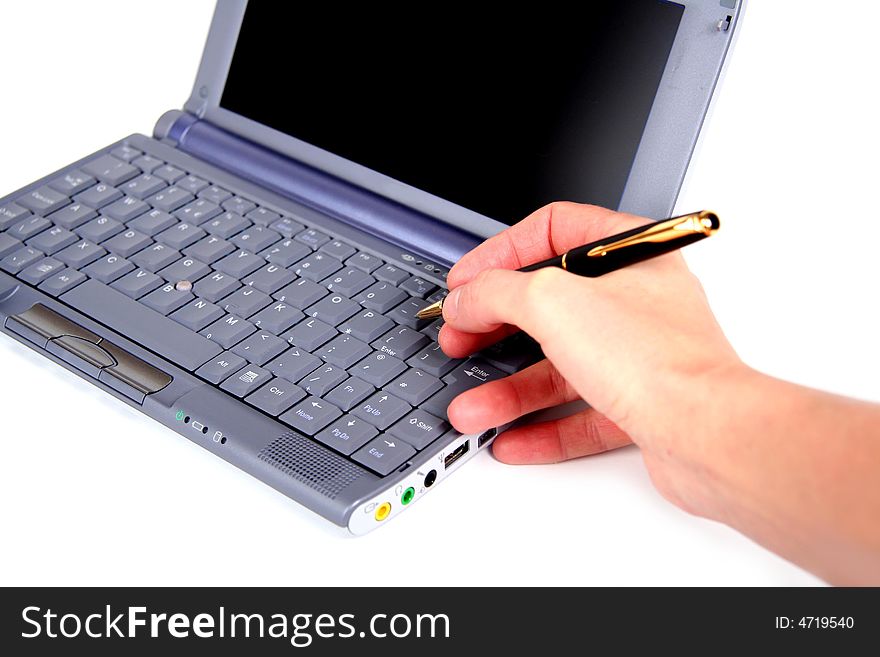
{"x": 92, "y": 492}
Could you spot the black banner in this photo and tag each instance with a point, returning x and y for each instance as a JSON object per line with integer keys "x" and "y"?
{"x": 433, "y": 621}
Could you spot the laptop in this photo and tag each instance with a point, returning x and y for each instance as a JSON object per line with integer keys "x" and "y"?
{"x": 249, "y": 276}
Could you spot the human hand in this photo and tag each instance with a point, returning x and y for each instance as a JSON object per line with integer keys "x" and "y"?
{"x": 634, "y": 343}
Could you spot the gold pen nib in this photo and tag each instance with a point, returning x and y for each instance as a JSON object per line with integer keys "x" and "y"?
{"x": 432, "y": 311}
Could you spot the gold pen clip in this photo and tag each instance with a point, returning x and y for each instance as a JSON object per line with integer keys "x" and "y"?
{"x": 704, "y": 222}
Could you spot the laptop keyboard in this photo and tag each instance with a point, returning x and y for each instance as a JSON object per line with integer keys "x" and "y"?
{"x": 297, "y": 323}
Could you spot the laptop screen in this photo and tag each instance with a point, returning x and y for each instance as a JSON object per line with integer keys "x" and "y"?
{"x": 499, "y": 114}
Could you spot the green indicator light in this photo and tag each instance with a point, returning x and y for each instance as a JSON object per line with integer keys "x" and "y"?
{"x": 180, "y": 415}
{"x": 408, "y": 495}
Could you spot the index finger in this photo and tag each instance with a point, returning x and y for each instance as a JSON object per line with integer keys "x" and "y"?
{"x": 547, "y": 232}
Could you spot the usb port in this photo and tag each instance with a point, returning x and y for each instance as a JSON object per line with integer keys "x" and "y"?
{"x": 453, "y": 456}
{"x": 486, "y": 436}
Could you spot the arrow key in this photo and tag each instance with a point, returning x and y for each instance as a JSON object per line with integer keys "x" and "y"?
{"x": 382, "y": 409}
{"x": 384, "y": 454}
{"x": 347, "y": 434}
{"x": 311, "y": 415}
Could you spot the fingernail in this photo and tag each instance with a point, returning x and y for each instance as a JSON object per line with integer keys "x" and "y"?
{"x": 450, "y": 305}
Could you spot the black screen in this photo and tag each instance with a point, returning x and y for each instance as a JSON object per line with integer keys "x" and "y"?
{"x": 498, "y": 113}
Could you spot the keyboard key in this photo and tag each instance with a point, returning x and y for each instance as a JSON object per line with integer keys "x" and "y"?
{"x": 348, "y": 282}
{"x": 18, "y": 260}
{"x": 256, "y": 238}
{"x": 338, "y": 249}
{"x": 343, "y": 350}
{"x": 382, "y": 409}
{"x": 405, "y": 313}
{"x": 72, "y": 182}
{"x": 381, "y": 297}
{"x": 277, "y": 318}
{"x": 209, "y": 249}
{"x": 214, "y": 194}
{"x": 439, "y": 293}
{"x": 168, "y": 173}
{"x": 365, "y": 262}
{"x": 137, "y": 283}
{"x": 108, "y": 268}
{"x": 41, "y": 270}
{"x": 170, "y": 199}
{"x": 12, "y": 213}
{"x": 275, "y": 397}
{"x": 192, "y": 184}
{"x": 167, "y": 299}
{"x": 391, "y": 274}
{"x": 378, "y": 368}
{"x": 240, "y": 264}
{"x": 111, "y": 170}
{"x": 401, "y": 342}
{"x": 366, "y": 325}
{"x": 414, "y": 386}
{"x": 418, "y": 287}
{"x": 469, "y": 374}
{"x": 348, "y": 394}
{"x": 228, "y": 331}
{"x": 384, "y": 454}
{"x": 98, "y": 196}
{"x": 312, "y": 238}
{"x": 125, "y": 153}
{"x": 197, "y": 314}
{"x": 286, "y": 227}
{"x": 80, "y": 254}
{"x": 293, "y": 364}
{"x": 260, "y": 347}
{"x": 221, "y": 367}
{"x": 72, "y": 216}
{"x": 513, "y": 353}
{"x": 333, "y": 309}
{"x": 8, "y": 244}
{"x": 198, "y": 212}
{"x": 245, "y": 301}
{"x": 216, "y": 286}
{"x": 147, "y": 163}
{"x": 301, "y": 294}
{"x": 322, "y": 380}
{"x": 156, "y": 257}
{"x": 286, "y": 253}
{"x": 346, "y": 434}
{"x": 61, "y": 282}
{"x": 310, "y": 334}
{"x": 27, "y": 228}
{"x": 100, "y": 229}
{"x": 153, "y": 222}
{"x": 226, "y": 225}
{"x": 311, "y": 415}
{"x": 419, "y": 428}
{"x": 143, "y": 186}
{"x": 181, "y": 236}
{"x": 432, "y": 330}
{"x": 248, "y": 379}
{"x": 125, "y": 209}
{"x": 263, "y": 216}
{"x": 44, "y": 200}
{"x": 128, "y": 243}
{"x": 52, "y": 240}
{"x": 185, "y": 269}
{"x": 238, "y": 205}
{"x": 433, "y": 361}
{"x": 143, "y": 326}
{"x": 317, "y": 266}
{"x": 270, "y": 279}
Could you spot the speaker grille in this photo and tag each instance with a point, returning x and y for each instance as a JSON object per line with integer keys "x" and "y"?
{"x": 310, "y": 464}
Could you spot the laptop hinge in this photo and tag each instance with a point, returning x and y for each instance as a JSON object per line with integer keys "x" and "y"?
{"x": 376, "y": 215}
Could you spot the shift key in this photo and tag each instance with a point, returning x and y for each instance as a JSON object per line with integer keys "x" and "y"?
{"x": 142, "y": 325}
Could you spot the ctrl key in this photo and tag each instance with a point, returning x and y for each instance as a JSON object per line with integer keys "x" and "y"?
{"x": 384, "y": 454}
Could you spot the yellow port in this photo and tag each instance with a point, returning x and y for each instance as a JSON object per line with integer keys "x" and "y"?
{"x": 383, "y": 511}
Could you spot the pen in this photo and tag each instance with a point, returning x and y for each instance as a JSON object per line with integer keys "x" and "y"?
{"x": 621, "y": 250}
